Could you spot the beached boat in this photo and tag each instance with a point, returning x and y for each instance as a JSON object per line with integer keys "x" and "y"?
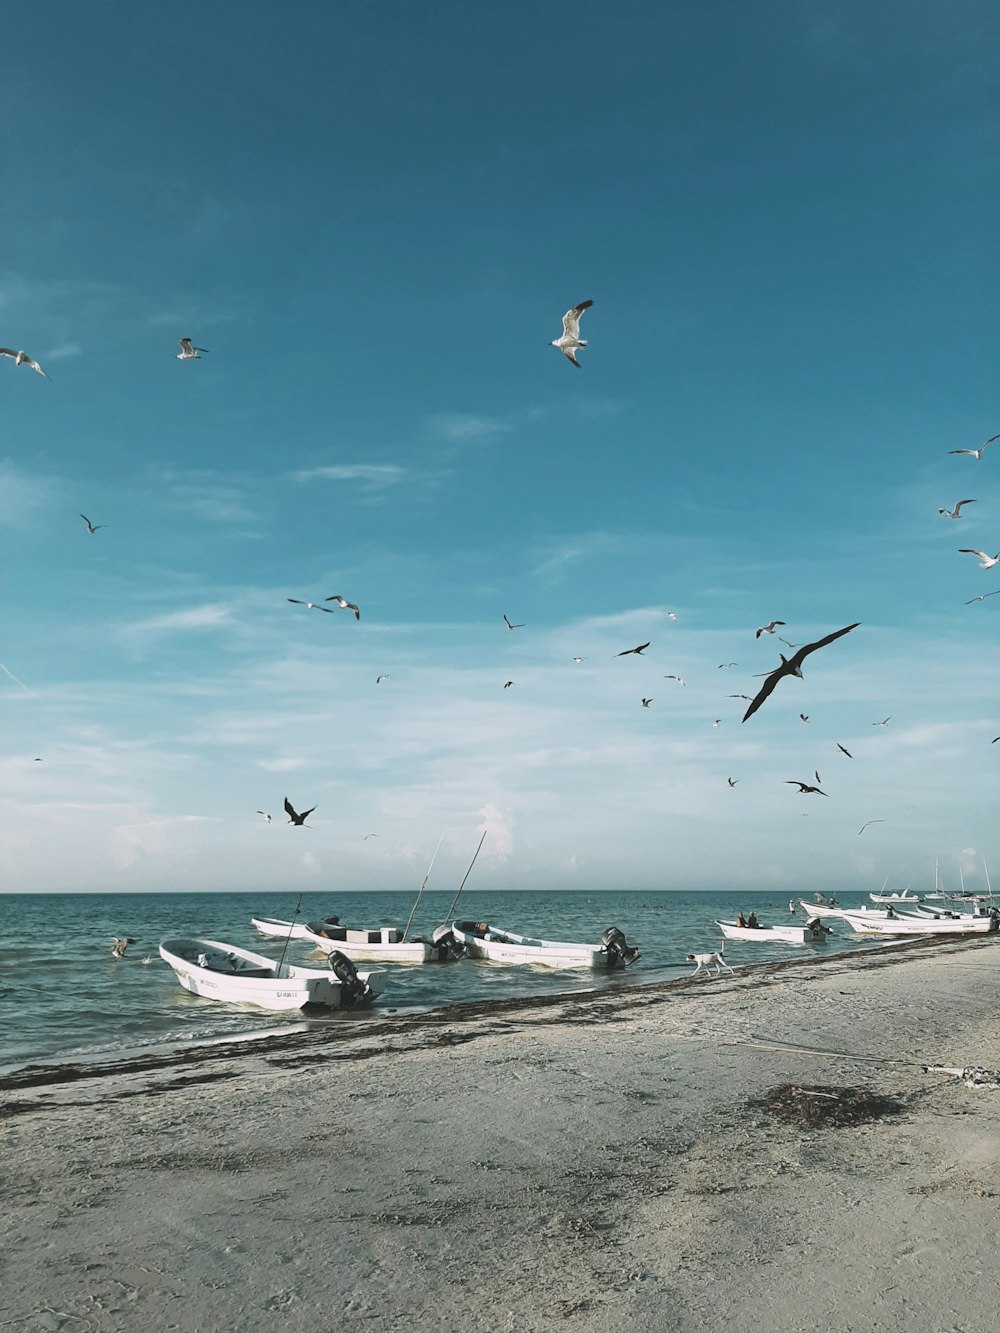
{"x": 905, "y": 923}
{"x": 483, "y": 940}
{"x": 813, "y": 932}
{"x": 221, "y": 971}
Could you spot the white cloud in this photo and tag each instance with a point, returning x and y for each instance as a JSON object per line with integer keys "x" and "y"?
{"x": 466, "y": 427}
{"x": 371, "y": 475}
{"x": 209, "y": 616}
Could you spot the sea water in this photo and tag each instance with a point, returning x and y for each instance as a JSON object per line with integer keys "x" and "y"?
{"x": 64, "y": 997}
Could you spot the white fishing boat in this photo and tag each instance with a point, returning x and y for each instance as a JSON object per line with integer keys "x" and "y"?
{"x": 905, "y": 923}
{"x": 272, "y": 928}
{"x": 813, "y": 932}
{"x": 483, "y": 940}
{"x": 385, "y": 945}
{"x": 903, "y": 896}
{"x": 823, "y": 911}
{"x": 221, "y": 971}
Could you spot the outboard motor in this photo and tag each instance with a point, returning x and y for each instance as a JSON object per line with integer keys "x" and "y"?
{"x": 616, "y": 946}
{"x": 352, "y": 988}
{"x": 448, "y": 948}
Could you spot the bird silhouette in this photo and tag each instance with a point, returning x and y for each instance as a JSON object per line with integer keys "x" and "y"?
{"x": 188, "y": 351}
{"x": 509, "y": 625}
{"x": 294, "y": 817}
{"x": 792, "y": 666}
{"x": 803, "y": 787}
{"x": 625, "y": 652}
{"x": 91, "y": 528}
{"x": 345, "y": 604}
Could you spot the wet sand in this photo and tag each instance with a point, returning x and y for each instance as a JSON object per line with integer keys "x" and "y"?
{"x": 587, "y": 1162}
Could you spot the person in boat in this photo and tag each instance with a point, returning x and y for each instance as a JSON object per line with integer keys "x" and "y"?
{"x": 752, "y": 921}
{"x": 741, "y": 920}
{"x": 889, "y": 912}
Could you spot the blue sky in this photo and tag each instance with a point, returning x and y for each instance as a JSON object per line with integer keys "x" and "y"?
{"x": 374, "y": 216}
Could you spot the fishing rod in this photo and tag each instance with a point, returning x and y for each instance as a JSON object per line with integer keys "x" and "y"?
{"x": 409, "y": 920}
{"x": 465, "y": 877}
{"x": 289, "y": 935}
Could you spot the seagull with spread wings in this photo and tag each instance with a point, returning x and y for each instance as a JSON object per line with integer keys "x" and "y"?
{"x": 641, "y": 649}
{"x": 188, "y": 351}
{"x": 843, "y": 751}
{"x": 976, "y": 453}
{"x": 884, "y": 723}
{"x": 957, "y": 511}
{"x": 803, "y": 787}
{"x": 91, "y": 527}
{"x": 985, "y": 561}
{"x": 982, "y": 596}
{"x": 121, "y": 944}
{"x": 294, "y": 817}
{"x": 869, "y": 824}
{"x": 509, "y": 625}
{"x": 313, "y": 606}
{"x": 344, "y": 604}
{"x": 768, "y": 629}
{"x": 570, "y": 339}
{"x": 792, "y": 666}
{"x": 22, "y": 359}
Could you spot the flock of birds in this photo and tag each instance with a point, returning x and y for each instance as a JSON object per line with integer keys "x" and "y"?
{"x": 569, "y": 343}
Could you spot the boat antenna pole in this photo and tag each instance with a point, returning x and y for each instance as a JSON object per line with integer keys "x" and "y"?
{"x": 289, "y": 935}
{"x": 464, "y": 878}
{"x": 409, "y": 919}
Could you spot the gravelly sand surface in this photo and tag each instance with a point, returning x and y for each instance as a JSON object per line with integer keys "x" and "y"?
{"x": 593, "y": 1162}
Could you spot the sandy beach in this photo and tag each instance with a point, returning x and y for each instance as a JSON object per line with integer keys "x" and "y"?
{"x": 597, "y": 1162}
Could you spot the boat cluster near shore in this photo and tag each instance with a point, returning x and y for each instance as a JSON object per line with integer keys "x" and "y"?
{"x": 226, "y": 972}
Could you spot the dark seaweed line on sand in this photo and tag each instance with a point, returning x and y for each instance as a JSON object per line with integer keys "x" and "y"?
{"x": 303, "y": 1048}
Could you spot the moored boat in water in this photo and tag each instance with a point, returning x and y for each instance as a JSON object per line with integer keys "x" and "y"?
{"x": 220, "y": 971}
{"x": 484, "y": 940}
{"x": 813, "y": 932}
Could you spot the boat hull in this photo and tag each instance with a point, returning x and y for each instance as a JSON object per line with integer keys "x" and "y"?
{"x": 367, "y": 950}
{"x": 219, "y": 971}
{"x": 482, "y": 940}
{"x": 807, "y": 934}
{"x": 913, "y": 925}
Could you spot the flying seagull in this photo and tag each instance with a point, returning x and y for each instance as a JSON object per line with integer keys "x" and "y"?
{"x": 727, "y": 664}
{"x": 803, "y": 787}
{"x": 189, "y": 352}
{"x": 869, "y": 824}
{"x": 344, "y": 604}
{"x": 579, "y": 659}
{"x": 976, "y": 453}
{"x": 294, "y": 818}
{"x": 768, "y": 629}
{"x": 509, "y": 625}
{"x": 641, "y": 649}
{"x": 843, "y": 751}
{"x": 369, "y": 835}
{"x": 788, "y": 643}
{"x": 792, "y": 666}
{"x": 982, "y": 596}
{"x": 22, "y": 359}
{"x": 803, "y": 717}
{"x": 717, "y": 722}
{"x": 91, "y": 528}
{"x": 380, "y": 679}
{"x": 120, "y": 945}
{"x": 313, "y": 606}
{"x": 646, "y": 703}
{"x": 732, "y": 781}
{"x": 671, "y": 615}
{"x": 985, "y": 561}
{"x": 816, "y": 775}
{"x": 739, "y": 696}
{"x": 266, "y": 817}
{"x": 884, "y": 723}
{"x": 571, "y": 339}
{"x": 954, "y": 513}
{"x": 507, "y": 684}
{"x": 679, "y": 679}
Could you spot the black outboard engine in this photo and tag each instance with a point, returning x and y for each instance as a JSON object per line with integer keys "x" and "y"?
{"x": 448, "y": 948}
{"x": 616, "y": 946}
{"x": 352, "y": 988}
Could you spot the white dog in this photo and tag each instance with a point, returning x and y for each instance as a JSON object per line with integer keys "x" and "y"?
{"x": 706, "y": 961}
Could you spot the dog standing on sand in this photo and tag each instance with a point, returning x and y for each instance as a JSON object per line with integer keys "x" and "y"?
{"x": 706, "y": 961}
